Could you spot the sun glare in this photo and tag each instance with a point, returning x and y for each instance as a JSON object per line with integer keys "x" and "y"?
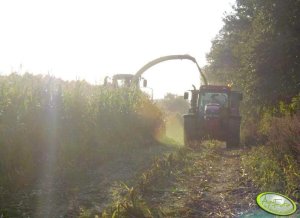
{"x": 75, "y": 40}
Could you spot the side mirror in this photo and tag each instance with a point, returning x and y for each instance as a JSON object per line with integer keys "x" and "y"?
{"x": 145, "y": 83}
{"x": 186, "y": 95}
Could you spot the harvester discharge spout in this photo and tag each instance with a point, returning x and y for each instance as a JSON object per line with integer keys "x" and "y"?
{"x": 167, "y": 58}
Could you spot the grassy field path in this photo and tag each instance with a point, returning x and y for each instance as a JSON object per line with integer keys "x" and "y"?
{"x": 211, "y": 184}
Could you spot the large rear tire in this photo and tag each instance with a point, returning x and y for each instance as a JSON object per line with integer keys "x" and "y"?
{"x": 233, "y": 135}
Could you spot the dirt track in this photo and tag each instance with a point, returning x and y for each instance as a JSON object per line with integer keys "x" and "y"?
{"x": 211, "y": 185}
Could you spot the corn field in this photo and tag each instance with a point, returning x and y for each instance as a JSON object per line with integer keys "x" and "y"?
{"x": 47, "y": 122}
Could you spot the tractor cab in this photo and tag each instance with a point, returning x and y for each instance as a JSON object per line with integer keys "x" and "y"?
{"x": 213, "y": 101}
{"x": 124, "y": 81}
{"x": 210, "y": 99}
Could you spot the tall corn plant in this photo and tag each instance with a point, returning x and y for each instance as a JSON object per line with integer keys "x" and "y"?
{"x": 80, "y": 120}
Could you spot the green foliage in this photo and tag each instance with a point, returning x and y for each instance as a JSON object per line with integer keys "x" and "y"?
{"x": 262, "y": 128}
{"x": 275, "y": 166}
{"x": 258, "y": 50}
{"x": 270, "y": 172}
{"x": 264, "y": 169}
{"x": 66, "y": 126}
{"x": 290, "y": 109}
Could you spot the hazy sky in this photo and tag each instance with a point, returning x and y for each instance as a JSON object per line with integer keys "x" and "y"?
{"x": 91, "y": 39}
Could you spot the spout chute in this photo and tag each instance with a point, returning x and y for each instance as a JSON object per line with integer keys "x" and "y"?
{"x": 139, "y": 73}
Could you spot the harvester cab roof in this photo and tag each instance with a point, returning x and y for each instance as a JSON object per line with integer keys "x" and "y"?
{"x": 124, "y": 80}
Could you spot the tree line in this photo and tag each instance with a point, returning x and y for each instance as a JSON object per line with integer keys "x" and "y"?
{"x": 258, "y": 51}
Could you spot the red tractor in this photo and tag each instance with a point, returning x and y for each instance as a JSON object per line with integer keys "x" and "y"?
{"x": 214, "y": 114}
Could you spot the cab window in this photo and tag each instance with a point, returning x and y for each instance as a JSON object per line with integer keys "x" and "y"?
{"x": 213, "y": 98}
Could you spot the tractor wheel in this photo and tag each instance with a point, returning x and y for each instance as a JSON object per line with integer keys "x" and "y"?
{"x": 233, "y": 135}
{"x": 189, "y": 124}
